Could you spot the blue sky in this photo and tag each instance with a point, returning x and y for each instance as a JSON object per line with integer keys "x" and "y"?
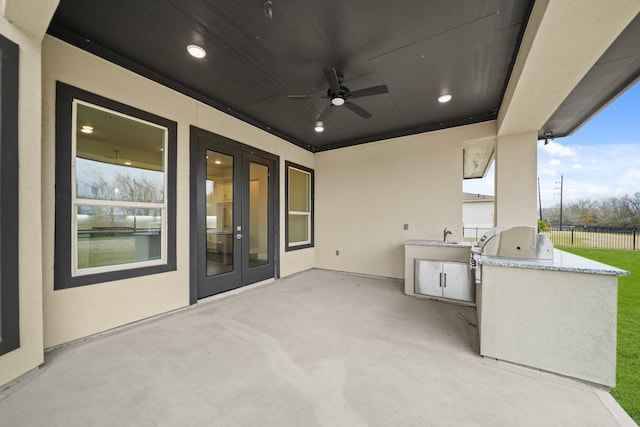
{"x": 601, "y": 159}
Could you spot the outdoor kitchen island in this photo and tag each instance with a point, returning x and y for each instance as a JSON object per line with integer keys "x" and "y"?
{"x": 537, "y": 306}
{"x": 558, "y": 315}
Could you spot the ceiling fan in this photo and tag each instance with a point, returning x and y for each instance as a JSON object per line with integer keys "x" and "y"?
{"x": 341, "y": 95}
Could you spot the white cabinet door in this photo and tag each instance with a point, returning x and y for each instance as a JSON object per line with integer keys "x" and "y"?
{"x": 427, "y": 277}
{"x": 457, "y": 283}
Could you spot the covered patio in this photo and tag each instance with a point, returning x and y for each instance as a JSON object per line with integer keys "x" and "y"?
{"x": 316, "y": 348}
{"x": 219, "y": 260}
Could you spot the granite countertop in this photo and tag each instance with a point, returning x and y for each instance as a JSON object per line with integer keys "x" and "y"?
{"x": 436, "y": 243}
{"x": 562, "y": 261}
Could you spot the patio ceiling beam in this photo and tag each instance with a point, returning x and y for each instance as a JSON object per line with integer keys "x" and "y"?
{"x": 562, "y": 41}
{"x": 31, "y": 16}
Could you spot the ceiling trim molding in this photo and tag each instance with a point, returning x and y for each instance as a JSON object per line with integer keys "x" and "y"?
{"x": 66, "y": 34}
{"x": 87, "y": 45}
{"x": 73, "y": 39}
{"x": 464, "y": 121}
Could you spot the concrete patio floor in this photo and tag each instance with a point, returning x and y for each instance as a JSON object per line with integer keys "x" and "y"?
{"x": 316, "y": 349}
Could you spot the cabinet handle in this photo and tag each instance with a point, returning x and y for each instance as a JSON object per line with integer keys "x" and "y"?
{"x": 440, "y": 280}
{"x": 445, "y": 279}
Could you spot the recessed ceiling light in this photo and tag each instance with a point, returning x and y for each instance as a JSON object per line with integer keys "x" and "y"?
{"x": 87, "y": 129}
{"x": 319, "y": 127}
{"x": 127, "y": 163}
{"x": 196, "y": 51}
{"x": 444, "y": 98}
{"x": 217, "y": 162}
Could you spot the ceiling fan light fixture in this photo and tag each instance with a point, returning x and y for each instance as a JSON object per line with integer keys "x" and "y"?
{"x": 268, "y": 9}
{"x": 196, "y": 51}
{"x": 337, "y": 101}
{"x": 319, "y": 127}
{"x": 444, "y": 98}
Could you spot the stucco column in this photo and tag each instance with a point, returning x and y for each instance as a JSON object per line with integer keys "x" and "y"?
{"x": 515, "y": 180}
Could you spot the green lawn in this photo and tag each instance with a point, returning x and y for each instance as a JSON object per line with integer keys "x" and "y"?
{"x": 102, "y": 251}
{"x": 627, "y": 390}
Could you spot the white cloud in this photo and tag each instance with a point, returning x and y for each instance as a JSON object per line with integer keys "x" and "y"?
{"x": 633, "y": 174}
{"x": 598, "y": 190}
{"x": 555, "y": 149}
{"x": 594, "y": 171}
{"x": 548, "y": 172}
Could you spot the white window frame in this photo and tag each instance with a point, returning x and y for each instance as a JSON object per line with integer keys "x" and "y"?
{"x": 76, "y": 202}
{"x": 303, "y": 243}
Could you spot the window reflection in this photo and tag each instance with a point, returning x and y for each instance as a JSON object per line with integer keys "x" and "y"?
{"x": 120, "y": 187}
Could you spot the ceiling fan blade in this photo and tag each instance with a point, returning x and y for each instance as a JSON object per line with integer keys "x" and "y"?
{"x": 374, "y": 90}
{"x": 358, "y": 110}
{"x": 325, "y": 113}
{"x": 332, "y": 78}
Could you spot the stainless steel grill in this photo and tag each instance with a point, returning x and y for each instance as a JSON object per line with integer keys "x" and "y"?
{"x": 511, "y": 242}
{"x": 516, "y": 242}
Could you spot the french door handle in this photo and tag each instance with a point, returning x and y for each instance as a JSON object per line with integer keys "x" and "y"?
{"x": 238, "y": 236}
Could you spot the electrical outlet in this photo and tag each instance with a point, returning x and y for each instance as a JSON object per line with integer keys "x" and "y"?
{"x": 406, "y": 226}
{"x": 337, "y": 252}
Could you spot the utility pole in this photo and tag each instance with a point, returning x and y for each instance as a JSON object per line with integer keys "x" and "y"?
{"x": 561, "y": 188}
{"x": 539, "y": 199}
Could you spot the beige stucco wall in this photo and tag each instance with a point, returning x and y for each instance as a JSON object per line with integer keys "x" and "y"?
{"x": 365, "y": 195}
{"x": 516, "y": 170}
{"x": 478, "y": 214}
{"x": 30, "y": 354}
{"x": 561, "y": 322}
{"x": 78, "y": 312}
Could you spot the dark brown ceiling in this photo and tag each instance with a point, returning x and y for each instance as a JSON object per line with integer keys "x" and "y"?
{"x": 420, "y": 49}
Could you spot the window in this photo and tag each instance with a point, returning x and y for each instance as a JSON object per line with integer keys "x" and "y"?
{"x": 299, "y": 190}
{"x": 9, "y": 285}
{"x": 115, "y": 210}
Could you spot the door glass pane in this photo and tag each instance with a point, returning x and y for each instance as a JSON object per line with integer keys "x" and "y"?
{"x": 258, "y": 214}
{"x": 219, "y": 213}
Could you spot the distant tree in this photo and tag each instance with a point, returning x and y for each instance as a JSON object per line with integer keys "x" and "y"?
{"x": 125, "y": 186}
{"x": 623, "y": 211}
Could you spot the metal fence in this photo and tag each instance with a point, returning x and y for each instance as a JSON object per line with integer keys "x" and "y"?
{"x": 579, "y": 237}
{"x": 595, "y": 237}
{"x": 472, "y": 234}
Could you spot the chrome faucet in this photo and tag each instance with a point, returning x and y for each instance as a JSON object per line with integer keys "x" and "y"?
{"x": 445, "y": 234}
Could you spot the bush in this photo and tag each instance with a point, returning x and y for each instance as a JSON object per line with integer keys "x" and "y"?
{"x": 543, "y": 226}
